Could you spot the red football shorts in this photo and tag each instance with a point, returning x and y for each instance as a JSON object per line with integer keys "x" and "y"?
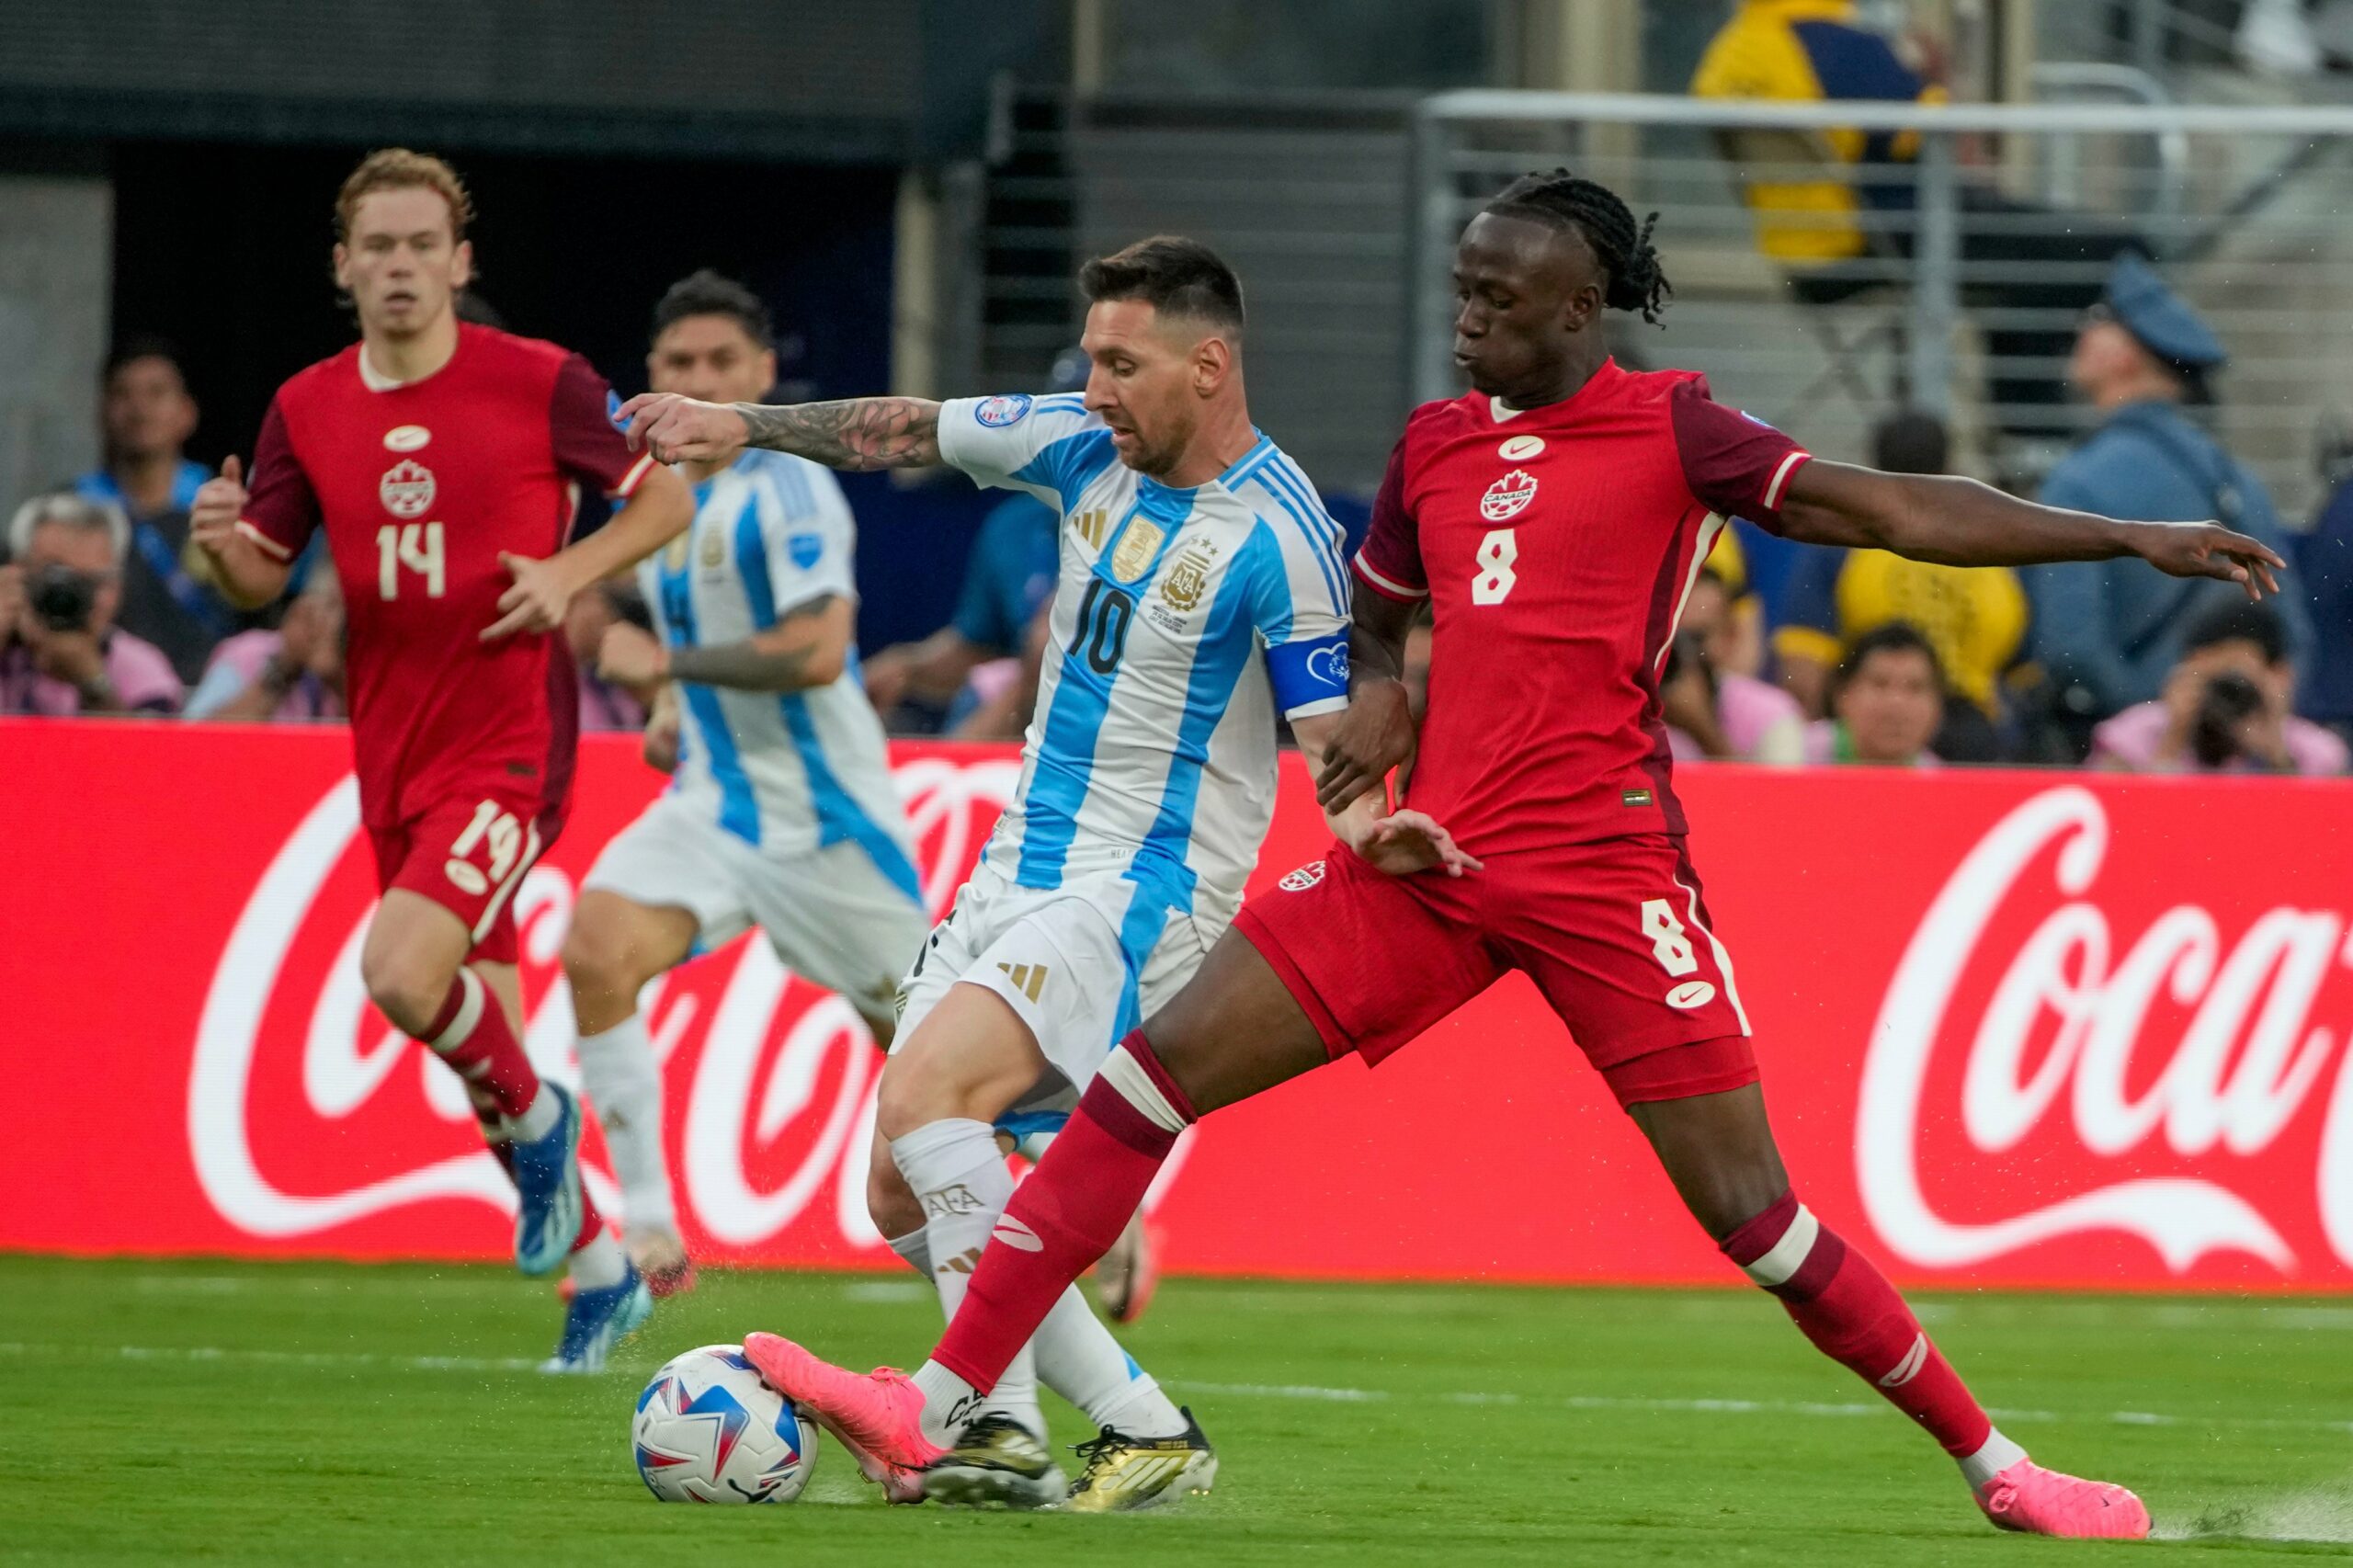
{"x": 1614, "y": 934}
{"x": 469, "y": 857}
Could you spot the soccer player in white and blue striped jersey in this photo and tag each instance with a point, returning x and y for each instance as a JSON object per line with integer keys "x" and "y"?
{"x": 781, "y": 813}
{"x": 1202, "y": 593}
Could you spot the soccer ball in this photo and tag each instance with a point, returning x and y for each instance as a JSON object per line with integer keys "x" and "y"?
{"x": 708, "y": 1430}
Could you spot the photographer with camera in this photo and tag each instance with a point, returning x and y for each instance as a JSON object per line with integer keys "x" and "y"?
{"x": 2225, "y": 707}
{"x": 62, "y": 653}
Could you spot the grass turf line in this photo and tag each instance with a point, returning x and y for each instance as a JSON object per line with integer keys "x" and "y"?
{"x": 309, "y": 1413}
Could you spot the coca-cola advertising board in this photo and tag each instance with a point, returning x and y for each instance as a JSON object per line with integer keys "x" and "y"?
{"x": 2033, "y": 1029}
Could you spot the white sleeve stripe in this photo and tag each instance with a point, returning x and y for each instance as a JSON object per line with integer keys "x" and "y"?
{"x": 632, "y": 479}
{"x": 1390, "y": 585}
{"x": 1781, "y": 476}
{"x": 1321, "y": 705}
{"x": 274, "y": 549}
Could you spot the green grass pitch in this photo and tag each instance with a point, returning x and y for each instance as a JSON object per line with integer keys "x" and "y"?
{"x": 306, "y": 1413}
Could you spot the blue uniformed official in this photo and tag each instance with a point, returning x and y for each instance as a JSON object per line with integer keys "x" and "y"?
{"x": 2105, "y": 625}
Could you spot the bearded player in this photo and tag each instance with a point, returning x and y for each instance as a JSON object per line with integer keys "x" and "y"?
{"x": 781, "y": 811}
{"x": 1202, "y": 592}
{"x": 445, "y": 462}
{"x": 1556, "y": 517}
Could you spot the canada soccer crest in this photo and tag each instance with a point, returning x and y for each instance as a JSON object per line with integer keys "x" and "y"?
{"x": 1508, "y": 496}
{"x": 407, "y": 488}
{"x": 1306, "y": 877}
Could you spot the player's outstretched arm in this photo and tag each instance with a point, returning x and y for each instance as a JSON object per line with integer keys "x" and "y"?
{"x": 1375, "y": 734}
{"x": 858, "y": 433}
{"x": 1960, "y": 522}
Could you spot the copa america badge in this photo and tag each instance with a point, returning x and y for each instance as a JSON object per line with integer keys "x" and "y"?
{"x": 996, "y": 413}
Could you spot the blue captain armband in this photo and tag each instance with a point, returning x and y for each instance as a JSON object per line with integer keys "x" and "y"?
{"x": 1309, "y": 677}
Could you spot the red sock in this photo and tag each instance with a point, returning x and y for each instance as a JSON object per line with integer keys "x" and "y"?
{"x": 1854, "y": 1317}
{"x": 501, "y": 1144}
{"x": 491, "y": 1125}
{"x": 1068, "y": 1213}
{"x": 470, "y": 1034}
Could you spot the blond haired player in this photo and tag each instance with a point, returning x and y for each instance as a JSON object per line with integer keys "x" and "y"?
{"x": 444, "y": 462}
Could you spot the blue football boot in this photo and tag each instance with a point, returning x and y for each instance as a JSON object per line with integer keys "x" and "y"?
{"x": 547, "y": 1188}
{"x": 599, "y": 1320}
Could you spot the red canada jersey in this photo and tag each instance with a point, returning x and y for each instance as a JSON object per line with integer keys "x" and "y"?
{"x": 420, "y": 486}
{"x": 1557, "y": 546}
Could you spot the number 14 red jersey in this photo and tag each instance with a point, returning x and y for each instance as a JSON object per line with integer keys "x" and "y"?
{"x": 420, "y": 486}
{"x": 1557, "y": 546}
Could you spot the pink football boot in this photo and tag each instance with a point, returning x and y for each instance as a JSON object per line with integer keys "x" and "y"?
{"x": 877, "y": 1417}
{"x": 2042, "y": 1502}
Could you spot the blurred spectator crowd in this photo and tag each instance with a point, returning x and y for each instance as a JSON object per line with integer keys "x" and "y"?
{"x": 1785, "y": 655}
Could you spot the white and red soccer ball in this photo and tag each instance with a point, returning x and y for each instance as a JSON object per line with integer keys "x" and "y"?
{"x": 708, "y": 1430}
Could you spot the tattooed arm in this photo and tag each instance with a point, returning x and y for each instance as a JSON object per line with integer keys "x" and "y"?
{"x": 859, "y": 434}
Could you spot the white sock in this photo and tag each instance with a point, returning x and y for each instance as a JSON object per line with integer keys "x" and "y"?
{"x": 623, "y": 1081}
{"x": 600, "y": 1264}
{"x": 911, "y": 1247}
{"x": 949, "y": 1401}
{"x": 1078, "y": 1359}
{"x": 1997, "y": 1456}
{"x": 958, "y": 1175}
{"x": 538, "y": 1120}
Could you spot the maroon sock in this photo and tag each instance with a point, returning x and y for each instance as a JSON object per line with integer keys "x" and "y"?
{"x": 1068, "y": 1213}
{"x": 1854, "y": 1317}
{"x": 493, "y": 1132}
{"x": 470, "y": 1034}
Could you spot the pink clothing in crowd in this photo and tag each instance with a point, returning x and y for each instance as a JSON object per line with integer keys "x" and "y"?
{"x": 1761, "y": 722}
{"x": 239, "y": 661}
{"x": 2131, "y": 739}
{"x": 142, "y": 679}
{"x": 603, "y": 707}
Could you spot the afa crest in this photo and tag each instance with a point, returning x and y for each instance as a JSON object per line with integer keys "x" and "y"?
{"x": 1184, "y": 584}
{"x": 1139, "y": 542}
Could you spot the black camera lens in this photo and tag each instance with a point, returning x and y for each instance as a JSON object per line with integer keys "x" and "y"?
{"x": 2229, "y": 700}
{"x": 61, "y": 598}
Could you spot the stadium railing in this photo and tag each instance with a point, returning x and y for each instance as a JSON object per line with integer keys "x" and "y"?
{"x": 2241, "y": 205}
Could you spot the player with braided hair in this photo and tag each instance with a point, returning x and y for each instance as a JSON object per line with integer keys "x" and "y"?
{"x": 1635, "y": 282}
{"x": 1556, "y": 517}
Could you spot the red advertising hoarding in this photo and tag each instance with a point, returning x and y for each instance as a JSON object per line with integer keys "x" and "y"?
{"x": 2017, "y": 1028}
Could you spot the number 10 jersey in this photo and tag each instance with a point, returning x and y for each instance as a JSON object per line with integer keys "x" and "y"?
{"x": 1182, "y": 622}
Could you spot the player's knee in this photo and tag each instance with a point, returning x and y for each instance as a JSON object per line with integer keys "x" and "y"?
{"x": 596, "y": 960}
{"x": 405, "y": 990}
{"x": 915, "y": 1092}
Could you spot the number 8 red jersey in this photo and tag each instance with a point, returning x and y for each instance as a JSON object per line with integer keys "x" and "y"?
{"x": 420, "y": 486}
{"x": 1556, "y": 546}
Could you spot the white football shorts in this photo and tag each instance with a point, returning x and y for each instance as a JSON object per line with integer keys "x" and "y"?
{"x": 833, "y": 917}
{"x": 1057, "y": 958}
